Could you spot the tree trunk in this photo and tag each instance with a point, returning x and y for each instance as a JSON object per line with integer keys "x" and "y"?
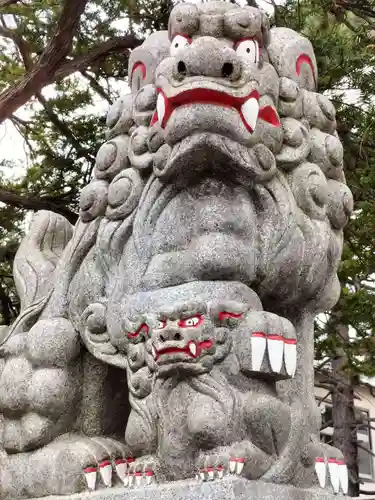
{"x": 343, "y": 411}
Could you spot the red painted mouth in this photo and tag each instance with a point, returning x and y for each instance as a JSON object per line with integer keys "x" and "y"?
{"x": 192, "y": 349}
{"x": 247, "y": 107}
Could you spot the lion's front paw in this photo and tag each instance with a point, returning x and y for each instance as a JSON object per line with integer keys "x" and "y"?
{"x": 213, "y": 465}
{"x": 330, "y": 467}
{"x": 70, "y": 464}
{"x": 141, "y": 472}
{"x": 270, "y": 348}
{"x": 241, "y": 458}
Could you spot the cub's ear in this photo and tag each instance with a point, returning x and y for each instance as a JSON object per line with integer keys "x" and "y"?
{"x": 227, "y": 313}
{"x": 95, "y": 337}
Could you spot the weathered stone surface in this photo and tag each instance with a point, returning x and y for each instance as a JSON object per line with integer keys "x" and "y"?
{"x": 171, "y": 332}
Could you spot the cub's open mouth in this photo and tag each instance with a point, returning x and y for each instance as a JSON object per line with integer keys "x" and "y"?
{"x": 191, "y": 349}
{"x": 247, "y": 107}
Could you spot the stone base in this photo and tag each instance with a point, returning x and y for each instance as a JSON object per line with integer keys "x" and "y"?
{"x": 225, "y": 489}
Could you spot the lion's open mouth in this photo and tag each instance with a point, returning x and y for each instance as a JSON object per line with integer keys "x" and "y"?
{"x": 247, "y": 107}
{"x": 191, "y": 349}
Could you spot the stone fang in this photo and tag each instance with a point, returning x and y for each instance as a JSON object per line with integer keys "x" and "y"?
{"x": 258, "y": 348}
{"x": 275, "y": 347}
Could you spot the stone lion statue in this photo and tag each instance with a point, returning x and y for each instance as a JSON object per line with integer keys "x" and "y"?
{"x": 169, "y": 334}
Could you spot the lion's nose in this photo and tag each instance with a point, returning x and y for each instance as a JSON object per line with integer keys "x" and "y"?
{"x": 169, "y": 335}
{"x": 206, "y": 57}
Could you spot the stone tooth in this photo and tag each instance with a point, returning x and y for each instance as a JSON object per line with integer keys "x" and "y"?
{"x": 343, "y": 475}
{"x": 106, "y": 473}
{"x": 193, "y": 348}
{"x": 160, "y": 108}
{"x": 290, "y": 356}
{"x": 275, "y": 345}
{"x": 210, "y": 472}
{"x": 250, "y": 111}
{"x": 220, "y": 472}
{"x": 334, "y": 472}
{"x": 90, "y": 476}
{"x": 202, "y": 475}
{"x": 320, "y": 469}
{"x": 130, "y": 479}
{"x": 138, "y": 478}
{"x": 258, "y": 347}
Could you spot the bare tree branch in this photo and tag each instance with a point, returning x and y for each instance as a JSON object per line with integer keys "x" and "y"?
{"x": 54, "y": 55}
{"x": 111, "y": 47}
{"x": 34, "y": 203}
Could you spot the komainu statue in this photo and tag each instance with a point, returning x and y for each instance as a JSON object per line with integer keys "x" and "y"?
{"x": 169, "y": 334}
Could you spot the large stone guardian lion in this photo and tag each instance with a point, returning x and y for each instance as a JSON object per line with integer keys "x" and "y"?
{"x": 169, "y": 334}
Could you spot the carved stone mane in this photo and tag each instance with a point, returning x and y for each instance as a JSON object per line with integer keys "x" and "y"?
{"x": 171, "y": 333}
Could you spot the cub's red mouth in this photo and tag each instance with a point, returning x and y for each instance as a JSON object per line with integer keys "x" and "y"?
{"x": 247, "y": 107}
{"x": 191, "y": 349}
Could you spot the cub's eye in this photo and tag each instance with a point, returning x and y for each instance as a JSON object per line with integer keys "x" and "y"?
{"x": 192, "y": 322}
{"x": 179, "y": 42}
{"x": 248, "y": 49}
{"x": 161, "y": 323}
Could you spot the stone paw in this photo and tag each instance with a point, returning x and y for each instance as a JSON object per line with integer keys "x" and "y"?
{"x": 236, "y": 465}
{"x": 102, "y": 460}
{"x": 70, "y": 464}
{"x": 330, "y": 468}
{"x": 217, "y": 466}
{"x": 271, "y": 348}
{"x": 140, "y": 472}
{"x": 83, "y": 463}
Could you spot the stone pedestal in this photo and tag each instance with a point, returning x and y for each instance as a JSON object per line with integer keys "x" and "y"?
{"x": 225, "y": 489}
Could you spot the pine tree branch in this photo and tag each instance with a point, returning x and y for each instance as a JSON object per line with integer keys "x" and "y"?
{"x": 95, "y": 85}
{"x": 43, "y": 72}
{"x": 34, "y": 203}
{"x": 64, "y": 129}
{"x": 114, "y": 46}
{"x": 7, "y": 3}
{"x": 19, "y": 42}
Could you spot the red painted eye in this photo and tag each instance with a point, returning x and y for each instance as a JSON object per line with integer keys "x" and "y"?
{"x": 248, "y": 49}
{"x": 223, "y": 315}
{"x": 161, "y": 323}
{"x": 179, "y": 42}
{"x": 142, "y": 329}
{"x": 192, "y": 322}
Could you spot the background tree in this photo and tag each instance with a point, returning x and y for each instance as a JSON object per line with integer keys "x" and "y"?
{"x": 342, "y": 33}
{"x": 63, "y": 63}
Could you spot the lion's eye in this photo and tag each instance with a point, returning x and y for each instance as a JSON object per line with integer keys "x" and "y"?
{"x": 192, "y": 322}
{"x": 248, "y": 49}
{"x": 179, "y": 42}
{"x": 161, "y": 323}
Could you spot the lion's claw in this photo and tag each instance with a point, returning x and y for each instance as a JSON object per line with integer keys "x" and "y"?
{"x": 105, "y": 469}
{"x": 140, "y": 472}
{"x": 90, "y": 476}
